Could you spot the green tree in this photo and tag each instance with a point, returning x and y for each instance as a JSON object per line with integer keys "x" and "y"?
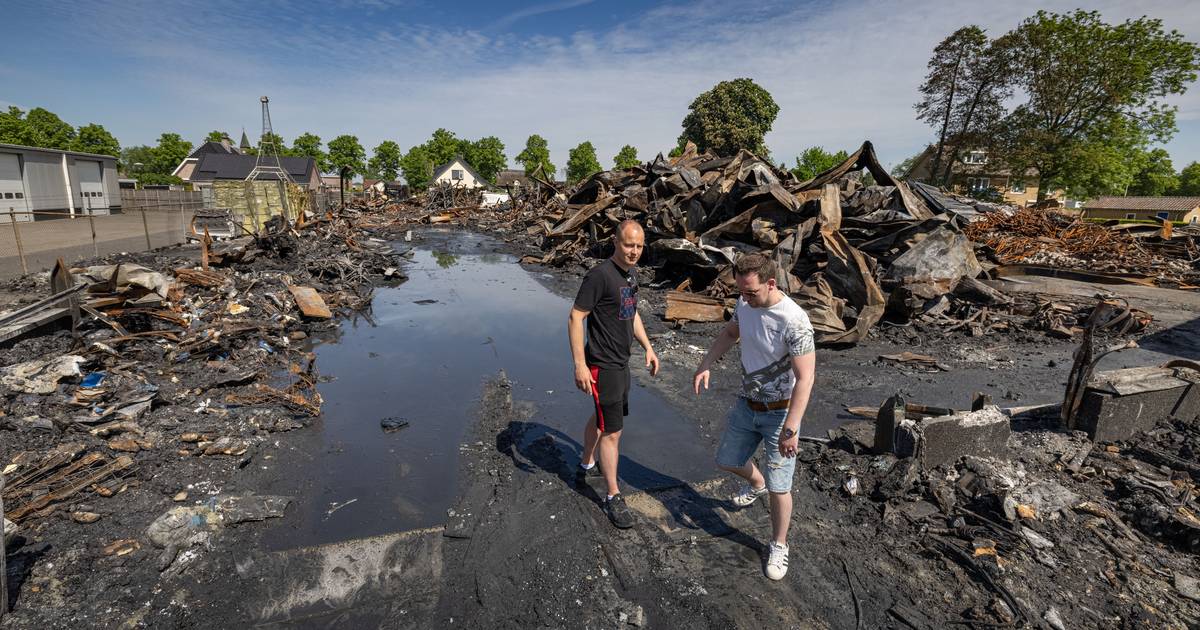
{"x": 281, "y": 147}
{"x": 486, "y": 156}
{"x": 309, "y": 145}
{"x": 93, "y": 138}
{"x": 385, "y": 163}
{"x": 904, "y": 166}
{"x": 732, "y": 115}
{"x": 137, "y": 159}
{"x": 215, "y": 136}
{"x": 1155, "y": 175}
{"x": 443, "y": 146}
{"x": 582, "y": 162}
{"x": 942, "y": 86}
{"x": 1189, "y": 180}
{"x": 417, "y": 167}
{"x": 626, "y": 158}
{"x": 536, "y": 153}
{"x": 816, "y": 160}
{"x": 47, "y": 130}
{"x": 13, "y": 127}
{"x": 345, "y": 152}
{"x": 168, "y": 154}
{"x": 1082, "y": 79}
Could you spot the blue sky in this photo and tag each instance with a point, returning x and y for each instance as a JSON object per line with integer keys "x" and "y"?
{"x": 613, "y": 72}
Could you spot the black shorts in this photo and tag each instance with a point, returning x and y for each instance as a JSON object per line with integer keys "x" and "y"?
{"x": 610, "y": 392}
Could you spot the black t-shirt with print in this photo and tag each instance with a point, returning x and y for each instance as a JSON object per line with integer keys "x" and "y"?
{"x": 610, "y": 297}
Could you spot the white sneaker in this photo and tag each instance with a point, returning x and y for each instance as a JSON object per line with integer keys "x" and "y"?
{"x": 747, "y": 495}
{"x": 777, "y": 561}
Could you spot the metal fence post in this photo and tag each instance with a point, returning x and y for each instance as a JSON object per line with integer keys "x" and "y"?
{"x": 146, "y": 229}
{"x": 3, "y": 554}
{"x": 20, "y": 247}
{"x": 92, "y": 222}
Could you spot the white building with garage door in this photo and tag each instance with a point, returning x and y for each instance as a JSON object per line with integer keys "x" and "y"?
{"x": 42, "y": 184}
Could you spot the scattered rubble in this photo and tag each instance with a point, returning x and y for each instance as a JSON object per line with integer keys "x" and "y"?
{"x": 852, "y": 253}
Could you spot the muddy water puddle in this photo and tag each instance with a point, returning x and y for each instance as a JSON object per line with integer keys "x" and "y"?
{"x": 465, "y": 313}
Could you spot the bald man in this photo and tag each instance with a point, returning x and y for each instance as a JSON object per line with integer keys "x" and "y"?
{"x": 607, "y": 301}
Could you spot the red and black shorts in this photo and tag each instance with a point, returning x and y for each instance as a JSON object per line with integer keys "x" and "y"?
{"x": 610, "y": 392}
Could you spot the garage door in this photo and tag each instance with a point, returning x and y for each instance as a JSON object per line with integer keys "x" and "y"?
{"x": 91, "y": 186}
{"x": 12, "y": 189}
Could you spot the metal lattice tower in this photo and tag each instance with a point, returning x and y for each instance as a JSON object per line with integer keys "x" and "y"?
{"x": 268, "y": 154}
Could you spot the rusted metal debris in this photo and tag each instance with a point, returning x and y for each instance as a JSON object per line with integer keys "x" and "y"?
{"x": 34, "y": 487}
{"x": 694, "y": 308}
{"x": 850, "y": 252}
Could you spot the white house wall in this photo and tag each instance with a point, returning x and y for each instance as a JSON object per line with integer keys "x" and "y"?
{"x": 468, "y": 180}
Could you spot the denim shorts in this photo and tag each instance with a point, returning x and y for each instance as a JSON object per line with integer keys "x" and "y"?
{"x": 744, "y": 429}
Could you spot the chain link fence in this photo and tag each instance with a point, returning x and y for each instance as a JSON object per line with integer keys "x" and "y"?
{"x": 32, "y": 240}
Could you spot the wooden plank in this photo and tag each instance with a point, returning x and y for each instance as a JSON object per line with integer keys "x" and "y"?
{"x": 694, "y": 308}
{"x": 310, "y": 302}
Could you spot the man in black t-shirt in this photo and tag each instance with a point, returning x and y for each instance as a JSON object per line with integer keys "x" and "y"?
{"x": 607, "y": 300}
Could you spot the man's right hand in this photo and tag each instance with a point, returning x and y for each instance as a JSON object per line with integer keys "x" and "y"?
{"x": 700, "y": 377}
{"x": 583, "y": 379}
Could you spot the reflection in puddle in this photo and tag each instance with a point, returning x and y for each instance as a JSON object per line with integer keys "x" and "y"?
{"x": 458, "y": 320}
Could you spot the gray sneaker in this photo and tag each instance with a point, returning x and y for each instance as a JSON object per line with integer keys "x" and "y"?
{"x": 618, "y": 512}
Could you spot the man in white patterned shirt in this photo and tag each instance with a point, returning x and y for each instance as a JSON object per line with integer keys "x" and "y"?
{"x": 778, "y": 367}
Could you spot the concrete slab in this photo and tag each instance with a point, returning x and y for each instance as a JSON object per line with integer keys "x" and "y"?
{"x": 365, "y": 580}
{"x": 942, "y": 440}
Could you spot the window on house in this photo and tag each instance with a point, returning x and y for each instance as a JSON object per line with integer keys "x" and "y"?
{"x": 1164, "y": 215}
{"x": 456, "y": 174}
{"x": 1130, "y": 215}
{"x": 978, "y": 184}
{"x": 8, "y": 195}
{"x": 1018, "y": 187}
{"x": 20, "y": 195}
{"x": 976, "y": 157}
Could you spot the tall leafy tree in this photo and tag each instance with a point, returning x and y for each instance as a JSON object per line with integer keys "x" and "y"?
{"x": 216, "y": 136}
{"x": 137, "y": 159}
{"x": 280, "y": 146}
{"x": 13, "y": 127}
{"x": 943, "y": 87}
{"x": 486, "y": 156}
{"x": 816, "y": 160}
{"x": 169, "y": 152}
{"x": 345, "y": 152}
{"x": 443, "y": 146}
{"x": 47, "y": 130}
{"x": 536, "y": 153}
{"x": 1155, "y": 175}
{"x": 582, "y": 162}
{"x": 309, "y": 145}
{"x": 627, "y": 157}
{"x": 385, "y": 163}
{"x": 93, "y": 138}
{"x": 1189, "y": 180}
{"x": 417, "y": 167}
{"x": 732, "y": 115}
{"x": 1083, "y": 78}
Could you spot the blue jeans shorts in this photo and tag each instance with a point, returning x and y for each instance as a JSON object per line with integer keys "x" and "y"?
{"x": 744, "y": 429}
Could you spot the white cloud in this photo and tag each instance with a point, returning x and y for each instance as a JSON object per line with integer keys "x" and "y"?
{"x": 842, "y": 72}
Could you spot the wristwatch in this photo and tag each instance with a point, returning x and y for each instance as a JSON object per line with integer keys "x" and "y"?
{"x": 787, "y": 433}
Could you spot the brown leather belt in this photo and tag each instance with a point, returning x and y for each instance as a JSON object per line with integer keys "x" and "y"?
{"x": 771, "y": 406}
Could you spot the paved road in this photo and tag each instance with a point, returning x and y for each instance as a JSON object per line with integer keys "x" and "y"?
{"x": 45, "y": 241}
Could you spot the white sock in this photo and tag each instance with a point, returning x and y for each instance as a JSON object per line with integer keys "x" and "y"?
{"x": 611, "y": 496}
{"x": 587, "y": 466}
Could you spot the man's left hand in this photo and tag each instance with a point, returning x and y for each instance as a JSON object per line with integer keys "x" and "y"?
{"x": 788, "y": 447}
{"x": 652, "y": 361}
